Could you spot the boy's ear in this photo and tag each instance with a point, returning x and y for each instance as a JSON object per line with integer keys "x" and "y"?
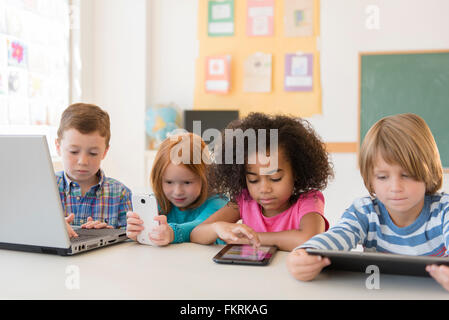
{"x": 105, "y": 152}
{"x": 58, "y": 146}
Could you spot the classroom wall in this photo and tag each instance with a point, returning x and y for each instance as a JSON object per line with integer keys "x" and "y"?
{"x": 114, "y": 55}
{"x": 403, "y": 25}
{"x": 127, "y": 68}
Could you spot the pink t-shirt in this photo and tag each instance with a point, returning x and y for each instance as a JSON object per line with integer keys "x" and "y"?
{"x": 251, "y": 212}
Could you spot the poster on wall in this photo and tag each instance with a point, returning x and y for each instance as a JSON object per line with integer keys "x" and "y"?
{"x": 218, "y": 74}
{"x": 260, "y": 18}
{"x": 298, "y": 17}
{"x": 257, "y": 73}
{"x": 298, "y": 72}
{"x": 17, "y": 53}
{"x": 17, "y": 82}
{"x": 220, "y": 18}
{"x": 14, "y": 19}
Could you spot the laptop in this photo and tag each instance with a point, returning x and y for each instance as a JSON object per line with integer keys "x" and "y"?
{"x": 387, "y": 263}
{"x": 31, "y": 213}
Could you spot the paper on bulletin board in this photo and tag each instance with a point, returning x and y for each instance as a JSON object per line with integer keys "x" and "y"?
{"x": 18, "y": 82}
{"x": 301, "y": 104}
{"x": 257, "y": 73}
{"x": 218, "y": 74}
{"x": 298, "y": 72}
{"x": 298, "y": 17}
{"x": 260, "y": 18}
{"x": 14, "y": 22}
{"x": 17, "y": 53}
{"x": 220, "y": 18}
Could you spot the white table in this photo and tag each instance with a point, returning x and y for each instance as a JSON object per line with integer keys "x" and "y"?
{"x": 185, "y": 272}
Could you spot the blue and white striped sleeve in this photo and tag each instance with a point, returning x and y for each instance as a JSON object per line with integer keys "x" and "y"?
{"x": 351, "y": 230}
{"x": 445, "y": 219}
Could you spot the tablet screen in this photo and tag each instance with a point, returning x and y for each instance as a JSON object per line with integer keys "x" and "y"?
{"x": 247, "y": 252}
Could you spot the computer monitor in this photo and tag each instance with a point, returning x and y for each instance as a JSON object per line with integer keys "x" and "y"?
{"x": 209, "y": 119}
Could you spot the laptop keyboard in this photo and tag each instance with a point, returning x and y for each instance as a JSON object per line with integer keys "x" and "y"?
{"x": 87, "y": 234}
{"x": 82, "y": 237}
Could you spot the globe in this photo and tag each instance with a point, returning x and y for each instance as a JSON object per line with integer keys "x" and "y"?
{"x": 159, "y": 122}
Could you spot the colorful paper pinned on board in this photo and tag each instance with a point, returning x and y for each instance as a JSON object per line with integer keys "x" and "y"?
{"x": 17, "y": 82}
{"x": 298, "y": 17}
{"x": 218, "y": 74}
{"x": 298, "y": 72}
{"x": 17, "y": 53}
{"x": 220, "y": 18}
{"x": 260, "y": 18}
{"x": 257, "y": 73}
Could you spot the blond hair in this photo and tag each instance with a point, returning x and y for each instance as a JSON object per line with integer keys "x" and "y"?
{"x": 406, "y": 140}
{"x": 86, "y": 118}
{"x": 198, "y": 165}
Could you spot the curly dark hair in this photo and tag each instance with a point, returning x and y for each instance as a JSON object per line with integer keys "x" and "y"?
{"x": 302, "y": 146}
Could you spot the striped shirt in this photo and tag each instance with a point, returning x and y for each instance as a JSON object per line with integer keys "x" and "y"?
{"x": 368, "y": 223}
{"x": 108, "y": 201}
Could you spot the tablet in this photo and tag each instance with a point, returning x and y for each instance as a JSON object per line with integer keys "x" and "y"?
{"x": 245, "y": 254}
{"x": 386, "y": 262}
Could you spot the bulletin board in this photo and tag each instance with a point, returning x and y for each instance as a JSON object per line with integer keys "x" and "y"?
{"x": 239, "y": 46}
{"x": 402, "y": 82}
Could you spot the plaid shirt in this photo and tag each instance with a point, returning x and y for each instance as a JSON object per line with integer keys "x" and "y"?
{"x": 108, "y": 201}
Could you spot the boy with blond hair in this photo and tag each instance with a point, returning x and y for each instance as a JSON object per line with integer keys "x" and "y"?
{"x": 405, "y": 213}
{"x": 89, "y": 198}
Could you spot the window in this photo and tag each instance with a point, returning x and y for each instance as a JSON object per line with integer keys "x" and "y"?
{"x": 35, "y": 65}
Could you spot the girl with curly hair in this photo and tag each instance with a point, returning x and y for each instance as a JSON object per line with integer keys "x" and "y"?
{"x": 278, "y": 204}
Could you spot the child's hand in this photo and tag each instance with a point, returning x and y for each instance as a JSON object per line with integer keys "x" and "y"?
{"x": 70, "y": 230}
{"x": 440, "y": 274}
{"x": 134, "y": 225}
{"x": 162, "y": 234}
{"x": 236, "y": 233}
{"x": 305, "y": 267}
{"x": 95, "y": 224}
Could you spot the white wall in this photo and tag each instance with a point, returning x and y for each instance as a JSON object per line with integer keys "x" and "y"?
{"x": 127, "y": 69}
{"x": 403, "y": 25}
{"x": 173, "y": 49}
{"x": 114, "y": 55}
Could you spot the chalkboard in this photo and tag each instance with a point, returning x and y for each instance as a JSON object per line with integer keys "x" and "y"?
{"x": 402, "y": 82}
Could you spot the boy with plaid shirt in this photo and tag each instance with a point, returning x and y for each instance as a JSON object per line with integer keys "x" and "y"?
{"x": 89, "y": 198}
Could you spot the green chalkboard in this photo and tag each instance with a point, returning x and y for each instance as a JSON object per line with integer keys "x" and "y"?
{"x": 416, "y": 82}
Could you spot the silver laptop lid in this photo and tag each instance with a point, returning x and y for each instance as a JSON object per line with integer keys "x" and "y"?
{"x": 30, "y": 207}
